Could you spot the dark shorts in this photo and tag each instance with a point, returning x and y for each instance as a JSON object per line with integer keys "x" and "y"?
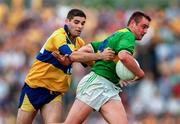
{"x": 32, "y": 99}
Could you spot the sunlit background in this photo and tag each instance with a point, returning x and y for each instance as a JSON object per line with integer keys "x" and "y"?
{"x": 26, "y": 24}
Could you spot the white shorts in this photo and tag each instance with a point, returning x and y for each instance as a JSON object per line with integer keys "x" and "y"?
{"x": 95, "y": 90}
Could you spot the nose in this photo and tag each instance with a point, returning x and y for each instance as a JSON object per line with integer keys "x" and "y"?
{"x": 80, "y": 26}
{"x": 145, "y": 31}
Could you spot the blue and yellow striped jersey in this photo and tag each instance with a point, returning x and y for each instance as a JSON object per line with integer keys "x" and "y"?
{"x": 46, "y": 71}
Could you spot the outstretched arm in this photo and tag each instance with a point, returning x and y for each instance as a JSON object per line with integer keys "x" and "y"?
{"x": 84, "y": 54}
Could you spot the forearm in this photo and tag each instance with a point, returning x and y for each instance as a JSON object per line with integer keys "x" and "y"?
{"x": 84, "y": 56}
{"x": 130, "y": 63}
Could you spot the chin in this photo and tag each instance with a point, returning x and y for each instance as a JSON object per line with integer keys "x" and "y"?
{"x": 139, "y": 38}
{"x": 78, "y": 35}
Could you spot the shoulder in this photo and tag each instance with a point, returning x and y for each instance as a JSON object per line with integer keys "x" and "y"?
{"x": 58, "y": 37}
{"x": 59, "y": 33}
{"x": 125, "y": 33}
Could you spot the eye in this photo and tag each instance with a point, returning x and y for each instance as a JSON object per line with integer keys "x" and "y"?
{"x": 83, "y": 23}
{"x": 145, "y": 26}
{"x": 76, "y": 21}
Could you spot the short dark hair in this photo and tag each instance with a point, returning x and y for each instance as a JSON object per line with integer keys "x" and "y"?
{"x": 137, "y": 16}
{"x": 75, "y": 12}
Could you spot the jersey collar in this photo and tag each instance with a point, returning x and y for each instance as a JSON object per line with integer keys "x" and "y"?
{"x": 68, "y": 35}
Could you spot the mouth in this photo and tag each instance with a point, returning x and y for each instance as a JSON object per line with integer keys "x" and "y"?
{"x": 79, "y": 31}
{"x": 142, "y": 36}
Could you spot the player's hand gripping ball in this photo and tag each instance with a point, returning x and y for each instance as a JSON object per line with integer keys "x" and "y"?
{"x": 123, "y": 72}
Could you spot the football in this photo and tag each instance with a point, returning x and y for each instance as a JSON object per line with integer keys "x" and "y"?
{"x": 123, "y": 72}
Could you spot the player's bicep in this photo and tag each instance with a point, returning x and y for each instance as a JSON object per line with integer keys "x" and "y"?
{"x": 88, "y": 49}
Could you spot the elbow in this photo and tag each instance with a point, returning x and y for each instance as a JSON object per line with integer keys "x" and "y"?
{"x": 72, "y": 57}
{"x": 123, "y": 57}
{"x": 141, "y": 74}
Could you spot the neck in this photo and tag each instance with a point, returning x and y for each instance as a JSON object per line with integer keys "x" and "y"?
{"x": 130, "y": 28}
{"x": 69, "y": 36}
{"x": 72, "y": 39}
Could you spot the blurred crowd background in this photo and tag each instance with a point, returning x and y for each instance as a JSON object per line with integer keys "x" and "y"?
{"x": 26, "y": 24}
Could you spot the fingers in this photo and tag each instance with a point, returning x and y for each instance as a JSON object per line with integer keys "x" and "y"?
{"x": 108, "y": 54}
{"x": 124, "y": 83}
{"x": 63, "y": 59}
{"x": 54, "y": 54}
{"x": 109, "y": 50}
{"x": 57, "y": 55}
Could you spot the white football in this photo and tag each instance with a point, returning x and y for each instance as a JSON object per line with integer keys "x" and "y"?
{"x": 123, "y": 72}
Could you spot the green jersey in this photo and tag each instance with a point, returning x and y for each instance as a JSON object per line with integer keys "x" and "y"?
{"x": 123, "y": 39}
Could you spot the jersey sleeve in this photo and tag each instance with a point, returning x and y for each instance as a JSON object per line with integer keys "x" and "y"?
{"x": 126, "y": 42}
{"x": 60, "y": 43}
{"x": 67, "y": 48}
{"x": 55, "y": 41}
{"x": 59, "y": 40}
{"x": 95, "y": 45}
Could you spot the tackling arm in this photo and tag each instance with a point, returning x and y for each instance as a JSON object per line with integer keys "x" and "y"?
{"x": 86, "y": 54}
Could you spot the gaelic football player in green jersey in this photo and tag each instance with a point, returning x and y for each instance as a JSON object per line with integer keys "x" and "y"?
{"x": 99, "y": 90}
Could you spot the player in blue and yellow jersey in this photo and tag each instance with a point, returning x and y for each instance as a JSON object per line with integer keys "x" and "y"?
{"x": 99, "y": 90}
{"x": 48, "y": 79}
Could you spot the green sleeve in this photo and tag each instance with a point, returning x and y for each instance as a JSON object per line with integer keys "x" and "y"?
{"x": 126, "y": 42}
{"x": 95, "y": 45}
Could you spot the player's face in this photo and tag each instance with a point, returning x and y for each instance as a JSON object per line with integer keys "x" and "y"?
{"x": 140, "y": 29}
{"x": 76, "y": 25}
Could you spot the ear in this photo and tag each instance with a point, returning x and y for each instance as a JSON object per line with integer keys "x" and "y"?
{"x": 133, "y": 23}
{"x": 67, "y": 20}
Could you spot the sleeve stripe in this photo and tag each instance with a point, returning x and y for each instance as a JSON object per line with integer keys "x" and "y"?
{"x": 64, "y": 49}
{"x": 92, "y": 47}
{"x": 47, "y": 57}
{"x": 126, "y": 50}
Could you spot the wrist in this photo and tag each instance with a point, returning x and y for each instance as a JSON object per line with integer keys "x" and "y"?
{"x": 135, "y": 78}
{"x": 71, "y": 60}
{"x": 100, "y": 56}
